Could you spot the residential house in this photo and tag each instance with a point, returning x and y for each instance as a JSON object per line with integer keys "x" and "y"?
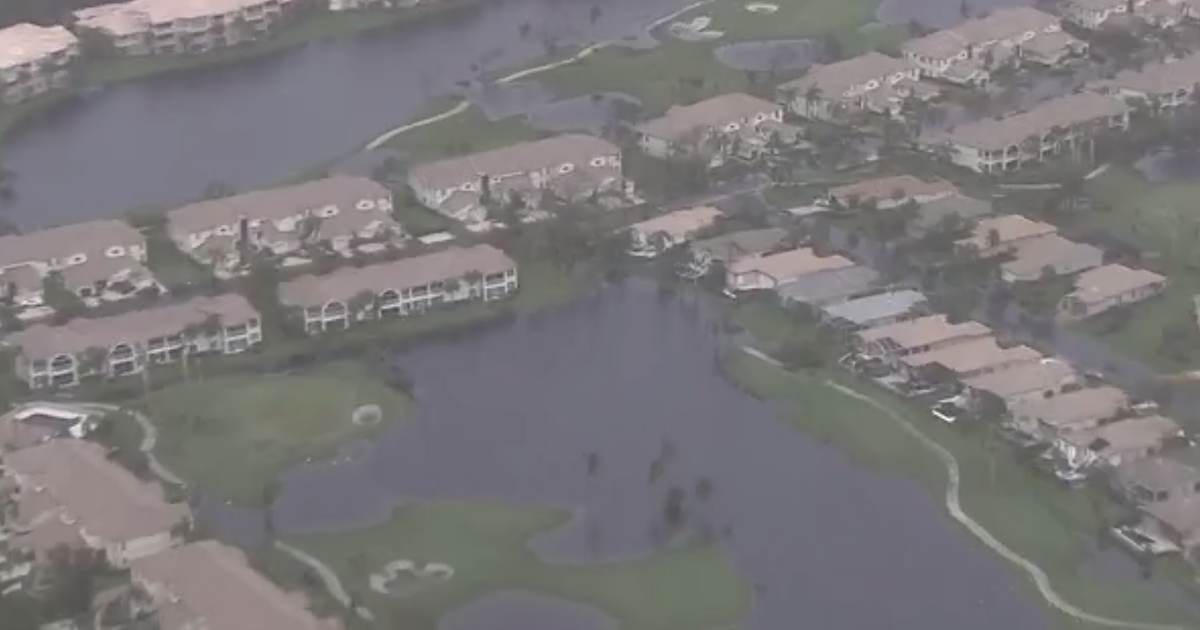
{"x": 208, "y": 584}
{"x": 1176, "y": 521}
{"x": 1169, "y": 476}
{"x": 129, "y": 343}
{"x": 830, "y": 287}
{"x": 340, "y": 214}
{"x": 890, "y": 192}
{"x": 967, "y": 53}
{"x": 1051, "y": 418}
{"x": 1052, "y": 254}
{"x": 654, "y": 236}
{"x": 874, "y": 82}
{"x": 875, "y": 310}
{"x": 96, "y": 260}
{"x": 1109, "y": 286}
{"x": 1118, "y": 442}
{"x": 1002, "y": 234}
{"x": 969, "y": 359}
{"x": 895, "y": 341}
{"x": 1093, "y": 14}
{"x": 994, "y": 145}
{"x": 727, "y": 248}
{"x": 572, "y": 167}
{"x": 773, "y": 270}
{"x": 951, "y": 210}
{"x": 710, "y": 128}
{"x": 400, "y": 287}
{"x": 113, "y": 511}
{"x": 35, "y": 60}
{"x": 1047, "y": 378}
{"x": 1166, "y": 85}
{"x": 174, "y": 27}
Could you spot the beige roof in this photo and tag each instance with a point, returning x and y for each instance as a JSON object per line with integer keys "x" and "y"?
{"x": 128, "y": 18}
{"x": 717, "y": 111}
{"x": 680, "y": 223}
{"x": 1046, "y": 375}
{"x": 789, "y": 264}
{"x": 1085, "y": 405}
{"x": 108, "y": 501}
{"x": 1052, "y": 250}
{"x": 91, "y": 238}
{"x": 279, "y": 203}
{"x": 396, "y": 275}
{"x": 1132, "y": 434}
{"x": 1110, "y": 281}
{"x": 1009, "y": 227}
{"x": 1065, "y": 111}
{"x": 44, "y": 342}
{"x": 1002, "y": 24}
{"x": 730, "y": 247}
{"x": 836, "y": 79}
{"x": 214, "y": 584}
{"x": 521, "y": 158}
{"x": 1181, "y": 514}
{"x": 924, "y": 331}
{"x": 1157, "y": 78}
{"x": 1096, "y": 5}
{"x": 27, "y": 43}
{"x": 897, "y": 186}
{"x": 976, "y": 354}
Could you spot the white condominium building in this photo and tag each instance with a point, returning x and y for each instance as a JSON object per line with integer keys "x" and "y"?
{"x": 170, "y": 27}
{"x": 35, "y": 59}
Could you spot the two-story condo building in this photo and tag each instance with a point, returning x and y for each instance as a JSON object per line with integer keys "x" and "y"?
{"x": 35, "y": 59}
{"x": 341, "y": 213}
{"x": 994, "y": 145}
{"x": 710, "y": 128}
{"x": 401, "y": 287}
{"x": 96, "y": 260}
{"x": 72, "y": 483}
{"x": 175, "y": 27}
{"x": 874, "y": 82}
{"x": 59, "y": 356}
{"x": 1094, "y": 14}
{"x": 1167, "y": 85}
{"x": 966, "y": 53}
{"x": 569, "y": 166}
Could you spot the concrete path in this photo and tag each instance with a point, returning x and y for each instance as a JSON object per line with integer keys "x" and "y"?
{"x": 954, "y": 507}
{"x": 149, "y": 440}
{"x": 584, "y": 53}
{"x": 333, "y": 584}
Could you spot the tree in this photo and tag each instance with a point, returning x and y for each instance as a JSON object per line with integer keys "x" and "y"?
{"x": 362, "y": 306}
{"x": 72, "y": 575}
{"x": 65, "y": 303}
{"x": 267, "y": 497}
{"x": 310, "y": 230}
{"x": 92, "y": 361}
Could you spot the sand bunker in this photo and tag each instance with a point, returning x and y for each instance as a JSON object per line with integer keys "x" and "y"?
{"x": 367, "y": 415}
{"x": 694, "y": 30}
{"x": 762, "y": 7}
{"x": 401, "y": 577}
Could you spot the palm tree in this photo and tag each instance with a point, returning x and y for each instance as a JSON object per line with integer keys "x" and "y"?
{"x": 92, "y": 361}
{"x": 267, "y": 497}
{"x": 187, "y": 338}
{"x": 812, "y": 96}
{"x": 310, "y": 230}
{"x": 474, "y": 281}
{"x": 361, "y": 306}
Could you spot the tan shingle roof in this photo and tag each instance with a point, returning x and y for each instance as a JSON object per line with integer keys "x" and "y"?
{"x": 730, "y": 247}
{"x": 1052, "y": 250}
{"x": 1065, "y": 111}
{"x": 835, "y": 79}
{"x": 679, "y": 223}
{"x": 25, "y": 43}
{"x": 976, "y": 354}
{"x": 1002, "y": 24}
{"x": 718, "y": 111}
{"x": 279, "y": 203}
{"x": 1085, "y": 405}
{"x": 897, "y": 186}
{"x": 1109, "y": 281}
{"x": 524, "y": 157}
{"x": 397, "y": 275}
{"x": 1009, "y": 227}
{"x": 1046, "y": 375}
{"x": 924, "y": 331}
{"x": 90, "y": 238}
{"x": 128, "y": 18}
{"x": 789, "y": 264}
{"x": 1132, "y": 434}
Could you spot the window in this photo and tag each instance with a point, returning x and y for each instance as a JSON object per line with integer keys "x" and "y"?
{"x": 77, "y": 259}
{"x": 365, "y": 204}
{"x": 563, "y": 169}
{"x": 598, "y": 161}
{"x": 327, "y": 211}
{"x": 116, "y": 251}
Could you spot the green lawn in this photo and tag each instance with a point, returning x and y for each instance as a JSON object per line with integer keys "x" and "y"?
{"x": 843, "y": 19}
{"x": 684, "y": 589}
{"x": 1032, "y": 516}
{"x": 231, "y": 436}
{"x": 1161, "y": 219}
{"x": 468, "y": 132}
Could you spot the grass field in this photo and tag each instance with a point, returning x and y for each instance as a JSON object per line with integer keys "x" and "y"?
{"x": 468, "y": 132}
{"x": 684, "y": 589}
{"x": 231, "y": 436}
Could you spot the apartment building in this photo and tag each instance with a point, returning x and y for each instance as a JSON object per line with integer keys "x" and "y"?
{"x": 895, "y": 341}
{"x": 402, "y": 287}
{"x": 1002, "y": 234}
{"x": 1167, "y": 85}
{"x": 654, "y": 236}
{"x": 71, "y": 489}
{"x": 890, "y": 192}
{"x": 994, "y": 145}
{"x": 966, "y": 53}
{"x": 873, "y": 82}
{"x": 1109, "y": 286}
{"x": 1094, "y": 14}
{"x": 1051, "y": 254}
{"x": 129, "y": 343}
{"x": 97, "y": 260}
{"x": 35, "y": 60}
{"x": 182, "y": 27}
{"x": 570, "y": 166}
{"x": 210, "y": 585}
{"x": 347, "y": 215}
{"x": 774, "y": 270}
{"x": 707, "y": 128}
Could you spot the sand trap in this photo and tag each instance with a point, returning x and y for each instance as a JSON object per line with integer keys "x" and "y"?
{"x": 762, "y": 7}
{"x": 413, "y": 576}
{"x": 695, "y": 30}
{"x": 367, "y": 415}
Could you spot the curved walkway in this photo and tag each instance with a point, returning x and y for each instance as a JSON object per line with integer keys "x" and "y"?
{"x": 954, "y": 507}
{"x": 333, "y": 584}
{"x": 584, "y": 53}
{"x": 149, "y": 440}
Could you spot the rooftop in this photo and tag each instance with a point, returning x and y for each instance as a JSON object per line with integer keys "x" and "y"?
{"x": 1110, "y": 281}
{"x": 277, "y": 204}
{"x": 1181, "y": 514}
{"x": 91, "y": 238}
{"x": 897, "y": 187}
{"x": 1131, "y": 434}
{"x": 681, "y": 120}
{"x": 396, "y": 275}
{"x": 932, "y": 213}
{"x": 1046, "y": 375}
{"x": 1002, "y": 24}
{"x": 1162, "y": 472}
{"x": 27, "y": 43}
{"x": 974, "y": 355}
{"x": 923, "y": 331}
{"x": 1085, "y": 405}
{"x": 578, "y": 150}
{"x": 679, "y": 223}
{"x": 991, "y": 134}
{"x": 1052, "y": 250}
{"x": 789, "y": 264}
{"x": 840, "y": 78}
{"x": 127, "y": 18}
{"x": 1008, "y": 228}
{"x": 871, "y": 308}
{"x": 729, "y": 247}
{"x": 819, "y": 288}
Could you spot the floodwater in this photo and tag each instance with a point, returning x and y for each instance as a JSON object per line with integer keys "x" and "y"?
{"x": 253, "y": 124}
{"x": 527, "y": 611}
{"x": 937, "y": 14}
{"x": 509, "y": 416}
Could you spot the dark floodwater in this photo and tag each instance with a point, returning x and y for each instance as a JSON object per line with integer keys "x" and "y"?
{"x": 161, "y": 141}
{"x": 510, "y": 415}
